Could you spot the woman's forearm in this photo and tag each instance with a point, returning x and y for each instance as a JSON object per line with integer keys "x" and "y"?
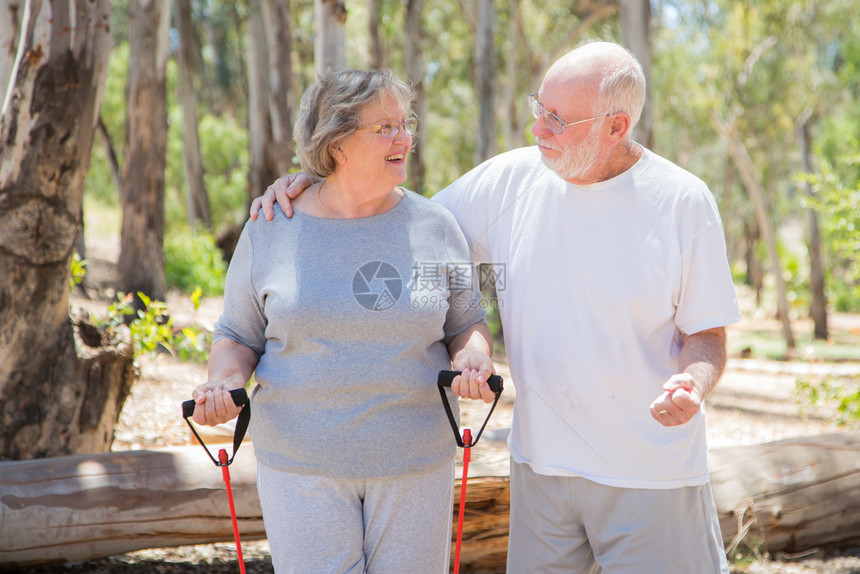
{"x": 231, "y": 363}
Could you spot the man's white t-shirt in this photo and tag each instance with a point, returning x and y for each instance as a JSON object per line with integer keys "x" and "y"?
{"x": 596, "y": 285}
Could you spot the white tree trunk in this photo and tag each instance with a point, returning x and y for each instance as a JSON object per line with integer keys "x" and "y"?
{"x": 636, "y": 30}
{"x": 415, "y": 71}
{"x": 330, "y": 40}
{"x": 10, "y": 33}
{"x": 197, "y": 199}
{"x": 818, "y": 295}
{"x": 740, "y": 157}
{"x": 263, "y": 170}
{"x": 513, "y": 120}
{"x": 276, "y": 21}
{"x": 61, "y": 386}
{"x": 141, "y": 260}
{"x": 485, "y": 64}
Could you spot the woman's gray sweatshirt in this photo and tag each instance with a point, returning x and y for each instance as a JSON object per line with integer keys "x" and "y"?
{"x": 350, "y": 319}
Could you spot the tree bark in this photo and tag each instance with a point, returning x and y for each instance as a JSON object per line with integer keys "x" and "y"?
{"x": 10, "y": 32}
{"x": 818, "y": 304}
{"x": 141, "y": 261}
{"x": 61, "y": 385}
{"x": 330, "y": 39}
{"x": 276, "y": 21}
{"x": 787, "y": 495}
{"x": 755, "y": 273}
{"x": 415, "y": 71}
{"x": 197, "y": 199}
{"x": 107, "y": 504}
{"x": 513, "y": 119}
{"x": 263, "y": 170}
{"x": 635, "y": 18}
{"x": 377, "y": 50}
{"x": 485, "y": 71}
{"x": 112, "y": 159}
{"x": 738, "y": 152}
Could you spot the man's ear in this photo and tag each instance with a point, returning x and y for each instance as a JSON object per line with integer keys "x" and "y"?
{"x": 619, "y": 127}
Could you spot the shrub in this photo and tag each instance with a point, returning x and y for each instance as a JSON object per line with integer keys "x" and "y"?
{"x": 191, "y": 259}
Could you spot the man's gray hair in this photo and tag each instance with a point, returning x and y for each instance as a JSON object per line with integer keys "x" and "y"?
{"x": 330, "y": 109}
{"x": 622, "y": 88}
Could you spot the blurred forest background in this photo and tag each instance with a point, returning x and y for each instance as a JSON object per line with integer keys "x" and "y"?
{"x": 197, "y": 99}
{"x": 758, "y": 99}
{"x": 145, "y": 127}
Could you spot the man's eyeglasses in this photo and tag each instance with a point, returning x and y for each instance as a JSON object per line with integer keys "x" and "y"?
{"x": 391, "y": 129}
{"x": 552, "y": 121}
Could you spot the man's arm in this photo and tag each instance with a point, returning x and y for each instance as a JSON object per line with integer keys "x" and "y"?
{"x": 701, "y": 364}
{"x": 282, "y": 190}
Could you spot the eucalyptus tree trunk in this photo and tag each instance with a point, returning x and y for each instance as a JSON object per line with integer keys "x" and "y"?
{"x": 62, "y": 382}
{"x": 738, "y": 152}
{"x": 818, "y": 304}
{"x": 513, "y": 120}
{"x": 141, "y": 261}
{"x": 10, "y": 20}
{"x": 636, "y": 31}
{"x": 485, "y": 64}
{"x": 377, "y": 50}
{"x": 276, "y": 21}
{"x": 415, "y": 71}
{"x": 330, "y": 39}
{"x": 263, "y": 170}
{"x": 196, "y": 197}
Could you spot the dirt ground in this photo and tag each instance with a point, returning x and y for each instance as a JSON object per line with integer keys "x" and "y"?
{"x": 754, "y": 403}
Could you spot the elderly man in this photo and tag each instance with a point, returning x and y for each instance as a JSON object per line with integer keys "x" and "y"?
{"x": 614, "y": 310}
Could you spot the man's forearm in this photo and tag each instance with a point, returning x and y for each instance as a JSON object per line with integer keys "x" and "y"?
{"x": 704, "y": 357}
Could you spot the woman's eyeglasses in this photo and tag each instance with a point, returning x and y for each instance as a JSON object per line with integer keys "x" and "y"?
{"x": 391, "y": 129}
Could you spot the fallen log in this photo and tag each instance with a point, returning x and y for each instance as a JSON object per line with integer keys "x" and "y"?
{"x": 88, "y": 506}
{"x": 789, "y": 495}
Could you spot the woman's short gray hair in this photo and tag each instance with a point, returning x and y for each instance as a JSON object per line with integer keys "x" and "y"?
{"x": 330, "y": 111}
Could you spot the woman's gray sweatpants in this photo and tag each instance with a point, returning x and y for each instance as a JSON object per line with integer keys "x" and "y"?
{"x": 377, "y": 526}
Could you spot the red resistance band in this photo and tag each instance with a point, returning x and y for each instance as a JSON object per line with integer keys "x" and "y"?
{"x": 240, "y": 399}
{"x": 497, "y": 386}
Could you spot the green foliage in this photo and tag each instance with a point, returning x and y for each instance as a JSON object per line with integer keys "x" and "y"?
{"x": 224, "y": 145}
{"x": 760, "y": 67}
{"x": 99, "y": 183}
{"x": 152, "y": 328}
{"x": 224, "y": 149}
{"x": 812, "y": 395}
{"x": 761, "y": 64}
{"x": 838, "y": 206}
{"x": 192, "y": 260}
{"x": 79, "y": 271}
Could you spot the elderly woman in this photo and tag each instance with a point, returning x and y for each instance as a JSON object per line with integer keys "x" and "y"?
{"x": 345, "y": 313}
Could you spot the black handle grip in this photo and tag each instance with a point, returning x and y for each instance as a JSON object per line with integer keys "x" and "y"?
{"x": 497, "y": 384}
{"x": 239, "y": 396}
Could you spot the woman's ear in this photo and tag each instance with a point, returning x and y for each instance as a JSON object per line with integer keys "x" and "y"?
{"x": 337, "y": 154}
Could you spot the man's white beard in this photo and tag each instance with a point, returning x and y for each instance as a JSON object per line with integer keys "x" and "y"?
{"x": 577, "y": 159}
